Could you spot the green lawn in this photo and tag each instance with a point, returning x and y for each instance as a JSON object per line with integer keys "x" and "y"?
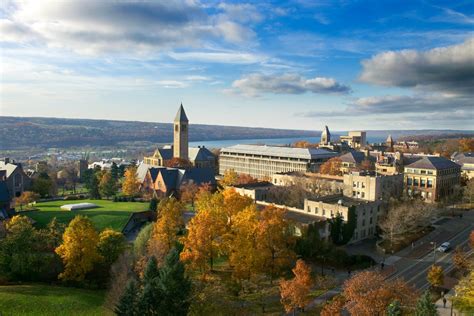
{"x": 109, "y": 214}
{"x": 38, "y": 299}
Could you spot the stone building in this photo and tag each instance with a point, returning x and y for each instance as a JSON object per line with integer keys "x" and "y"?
{"x": 352, "y": 160}
{"x": 199, "y": 157}
{"x": 16, "y": 179}
{"x": 367, "y": 213}
{"x": 261, "y": 161}
{"x": 434, "y": 178}
{"x": 313, "y": 182}
{"x": 370, "y": 186}
{"x": 466, "y": 161}
{"x": 355, "y": 139}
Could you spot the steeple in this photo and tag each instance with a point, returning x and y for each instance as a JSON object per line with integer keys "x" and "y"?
{"x": 181, "y": 115}
{"x": 325, "y": 136}
{"x": 180, "y": 139}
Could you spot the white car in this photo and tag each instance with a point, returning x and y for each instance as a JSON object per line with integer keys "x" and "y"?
{"x": 444, "y": 247}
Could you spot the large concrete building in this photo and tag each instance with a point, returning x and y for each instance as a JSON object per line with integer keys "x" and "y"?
{"x": 199, "y": 157}
{"x": 370, "y": 186}
{"x": 323, "y": 184}
{"x": 355, "y": 139}
{"x": 261, "y": 162}
{"x": 434, "y": 178}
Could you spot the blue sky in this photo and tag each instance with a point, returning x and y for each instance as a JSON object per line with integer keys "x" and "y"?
{"x": 286, "y": 64}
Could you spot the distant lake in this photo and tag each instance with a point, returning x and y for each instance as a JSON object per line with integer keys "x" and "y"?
{"x": 269, "y": 141}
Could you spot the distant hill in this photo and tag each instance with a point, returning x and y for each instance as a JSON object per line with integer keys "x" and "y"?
{"x": 38, "y": 132}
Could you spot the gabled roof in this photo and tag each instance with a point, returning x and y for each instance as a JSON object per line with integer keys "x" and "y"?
{"x": 389, "y": 139}
{"x": 165, "y": 153}
{"x": 287, "y": 152}
{"x": 199, "y": 176}
{"x": 181, "y": 115}
{"x": 200, "y": 154}
{"x": 463, "y": 158}
{"x": 170, "y": 177}
{"x": 142, "y": 170}
{"x": 8, "y": 167}
{"x": 433, "y": 163}
{"x": 154, "y": 173}
{"x": 355, "y": 157}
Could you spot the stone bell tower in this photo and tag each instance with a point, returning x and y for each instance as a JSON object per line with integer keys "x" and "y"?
{"x": 180, "y": 143}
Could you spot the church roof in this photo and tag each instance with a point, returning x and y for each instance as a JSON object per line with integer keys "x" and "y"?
{"x": 200, "y": 154}
{"x": 181, "y": 115}
{"x": 389, "y": 139}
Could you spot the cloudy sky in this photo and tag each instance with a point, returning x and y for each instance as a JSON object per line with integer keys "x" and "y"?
{"x": 290, "y": 64}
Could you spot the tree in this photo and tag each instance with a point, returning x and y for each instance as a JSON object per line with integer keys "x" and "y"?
{"x": 368, "y": 293}
{"x": 26, "y": 198}
{"x": 111, "y": 245}
{"x": 334, "y": 307}
{"x": 460, "y": 260}
{"x": 115, "y": 172}
{"x": 174, "y": 286}
{"x": 128, "y": 303}
{"x": 234, "y": 203}
{"x": 153, "y": 205}
{"x": 94, "y": 189}
{"x": 203, "y": 242}
{"x": 466, "y": 144}
{"x": 230, "y": 177}
{"x": 43, "y": 185}
{"x": 107, "y": 185}
{"x": 274, "y": 241}
{"x": 394, "y": 309}
{"x": 188, "y": 192}
{"x": 178, "y": 163}
{"x": 131, "y": 185}
{"x": 70, "y": 176}
{"x": 79, "y": 249}
{"x": 310, "y": 243}
{"x": 332, "y": 166}
{"x": 295, "y": 293}
{"x": 165, "y": 230}
{"x": 150, "y": 297}
{"x": 342, "y": 232}
{"x": 464, "y": 299}
{"x": 435, "y": 276}
{"x": 425, "y": 306}
{"x": 471, "y": 239}
{"x": 140, "y": 244}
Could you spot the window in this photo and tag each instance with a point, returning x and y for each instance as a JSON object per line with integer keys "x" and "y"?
{"x": 363, "y": 185}
{"x": 415, "y": 182}
{"x": 423, "y": 182}
{"x": 409, "y": 181}
{"x": 353, "y": 193}
{"x": 363, "y": 222}
{"x": 176, "y": 128}
{"x": 430, "y": 183}
{"x": 309, "y": 208}
{"x": 363, "y": 194}
{"x": 324, "y": 212}
{"x": 316, "y": 210}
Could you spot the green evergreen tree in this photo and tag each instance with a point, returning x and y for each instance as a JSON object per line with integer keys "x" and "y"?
{"x": 107, "y": 185}
{"x": 336, "y": 226}
{"x": 425, "y": 307}
{"x": 149, "y": 300}
{"x": 175, "y": 287}
{"x": 394, "y": 309}
{"x": 114, "y": 171}
{"x": 128, "y": 303}
{"x": 153, "y": 204}
{"x": 94, "y": 187}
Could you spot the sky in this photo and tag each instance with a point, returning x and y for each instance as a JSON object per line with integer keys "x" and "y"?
{"x": 401, "y": 64}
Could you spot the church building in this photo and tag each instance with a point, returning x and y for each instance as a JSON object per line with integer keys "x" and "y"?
{"x": 199, "y": 157}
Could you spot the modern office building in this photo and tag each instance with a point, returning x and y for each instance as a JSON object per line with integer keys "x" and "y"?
{"x": 434, "y": 178}
{"x": 355, "y": 139}
{"x": 261, "y": 161}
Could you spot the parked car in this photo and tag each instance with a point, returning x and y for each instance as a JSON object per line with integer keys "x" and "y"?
{"x": 444, "y": 247}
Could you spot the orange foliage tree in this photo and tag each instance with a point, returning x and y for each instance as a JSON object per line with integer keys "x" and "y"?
{"x": 368, "y": 293}
{"x": 274, "y": 241}
{"x": 334, "y": 307}
{"x": 26, "y": 198}
{"x": 165, "y": 229}
{"x": 295, "y": 292}
{"x": 234, "y": 203}
{"x": 178, "y": 163}
{"x": 188, "y": 192}
{"x": 131, "y": 185}
{"x": 332, "y": 166}
{"x": 466, "y": 144}
{"x": 435, "y": 276}
{"x": 471, "y": 239}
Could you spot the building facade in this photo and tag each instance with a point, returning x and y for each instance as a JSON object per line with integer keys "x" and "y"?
{"x": 262, "y": 162}
{"x": 434, "y": 178}
{"x": 355, "y": 139}
{"x": 181, "y": 135}
{"x": 313, "y": 182}
{"x": 16, "y": 179}
{"x": 466, "y": 161}
{"x": 370, "y": 186}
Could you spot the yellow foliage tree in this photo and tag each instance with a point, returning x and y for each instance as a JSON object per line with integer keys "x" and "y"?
{"x": 230, "y": 177}
{"x": 165, "y": 229}
{"x": 464, "y": 299}
{"x": 274, "y": 241}
{"x": 332, "y": 166}
{"x": 242, "y": 244}
{"x": 79, "y": 249}
{"x": 234, "y": 203}
{"x": 295, "y": 292}
{"x": 26, "y": 198}
{"x": 111, "y": 245}
{"x": 435, "y": 276}
{"x": 131, "y": 185}
{"x": 204, "y": 240}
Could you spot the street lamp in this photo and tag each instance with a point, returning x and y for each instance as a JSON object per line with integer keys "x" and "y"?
{"x": 434, "y": 251}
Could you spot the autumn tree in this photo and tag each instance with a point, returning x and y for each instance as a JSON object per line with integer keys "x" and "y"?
{"x": 111, "y": 245}
{"x": 368, "y": 293}
{"x": 107, "y": 185}
{"x": 464, "y": 299}
{"x": 304, "y": 144}
{"x": 471, "y": 239}
{"x": 295, "y": 292}
{"x": 274, "y": 241}
{"x": 394, "y": 309}
{"x": 334, "y": 307}
{"x": 79, "y": 249}
{"x": 425, "y": 306}
{"x": 332, "y": 166}
{"x": 165, "y": 229}
{"x": 176, "y": 162}
{"x": 26, "y": 198}
{"x": 466, "y": 144}
{"x": 230, "y": 177}
{"x": 188, "y": 192}
{"x": 203, "y": 242}
{"x": 435, "y": 276}
{"x": 246, "y": 179}
{"x": 140, "y": 244}
{"x": 460, "y": 259}
{"x": 234, "y": 203}
{"x": 131, "y": 185}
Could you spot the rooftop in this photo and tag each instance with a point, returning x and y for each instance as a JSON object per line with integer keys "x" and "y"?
{"x": 433, "y": 163}
{"x": 181, "y": 115}
{"x": 287, "y": 152}
{"x": 341, "y": 199}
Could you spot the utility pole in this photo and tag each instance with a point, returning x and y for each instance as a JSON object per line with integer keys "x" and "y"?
{"x": 434, "y": 251}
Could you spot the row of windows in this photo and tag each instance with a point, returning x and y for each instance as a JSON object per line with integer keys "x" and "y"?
{"x": 424, "y": 183}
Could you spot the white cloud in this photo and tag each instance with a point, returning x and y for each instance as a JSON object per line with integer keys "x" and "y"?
{"x": 219, "y": 57}
{"x": 93, "y": 27}
{"x": 256, "y": 84}
{"x": 445, "y": 69}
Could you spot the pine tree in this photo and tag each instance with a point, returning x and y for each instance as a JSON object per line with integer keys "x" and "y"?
{"x": 174, "y": 286}
{"x": 94, "y": 187}
{"x": 114, "y": 171}
{"x": 394, "y": 309}
{"x": 153, "y": 204}
{"x": 127, "y": 305}
{"x": 151, "y": 271}
{"x": 149, "y": 299}
{"x": 425, "y": 307}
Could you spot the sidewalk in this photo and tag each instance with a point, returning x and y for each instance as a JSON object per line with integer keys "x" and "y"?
{"x": 446, "y": 311}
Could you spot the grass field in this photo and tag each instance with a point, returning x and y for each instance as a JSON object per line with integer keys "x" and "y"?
{"x": 108, "y": 214}
{"x": 50, "y": 300}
